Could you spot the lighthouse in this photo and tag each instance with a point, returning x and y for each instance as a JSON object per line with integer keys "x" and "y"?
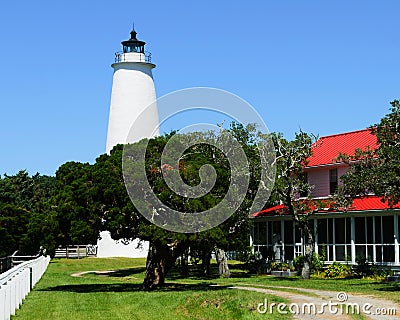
{"x": 132, "y": 92}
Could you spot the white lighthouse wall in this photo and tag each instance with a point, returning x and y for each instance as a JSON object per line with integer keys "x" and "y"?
{"x": 107, "y": 247}
{"x": 132, "y": 91}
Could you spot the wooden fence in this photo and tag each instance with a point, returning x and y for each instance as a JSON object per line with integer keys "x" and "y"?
{"x": 76, "y": 251}
{"x": 17, "y": 282}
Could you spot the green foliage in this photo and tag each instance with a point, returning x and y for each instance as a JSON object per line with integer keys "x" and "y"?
{"x": 377, "y": 170}
{"x": 13, "y": 226}
{"x": 363, "y": 268}
{"x": 32, "y": 193}
{"x": 25, "y": 219}
{"x": 282, "y": 266}
{"x": 317, "y": 262}
{"x": 338, "y": 270}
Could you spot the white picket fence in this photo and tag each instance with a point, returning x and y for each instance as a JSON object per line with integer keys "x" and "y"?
{"x": 17, "y": 282}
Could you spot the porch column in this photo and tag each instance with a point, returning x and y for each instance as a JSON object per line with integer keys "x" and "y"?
{"x": 316, "y": 236}
{"x": 283, "y": 258}
{"x": 353, "y": 237}
{"x": 252, "y": 237}
{"x": 396, "y": 240}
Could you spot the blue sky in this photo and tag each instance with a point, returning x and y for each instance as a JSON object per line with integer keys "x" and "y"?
{"x": 325, "y": 67}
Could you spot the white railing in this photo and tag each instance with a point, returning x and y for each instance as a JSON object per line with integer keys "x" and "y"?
{"x": 17, "y": 282}
{"x": 76, "y": 251}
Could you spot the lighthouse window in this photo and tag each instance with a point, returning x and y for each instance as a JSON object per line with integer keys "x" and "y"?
{"x": 133, "y": 48}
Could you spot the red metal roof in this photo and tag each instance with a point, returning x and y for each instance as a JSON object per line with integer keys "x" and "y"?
{"x": 366, "y": 203}
{"x": 326, "y": 149}
{"x": 370, "y": 203}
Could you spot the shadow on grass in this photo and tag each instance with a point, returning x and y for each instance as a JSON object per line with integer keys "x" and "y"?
{"x": 390, "y": 287}
{"x": 131, "y": 287}
{"x": 237, "y": 271}
{"x": 124, "y": 272}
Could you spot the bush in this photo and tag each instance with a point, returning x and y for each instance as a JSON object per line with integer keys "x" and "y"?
{"x": 281, "y": 266}
{"x": 338, "y": 270}
{"x": 256, "y": 264}
{"x": 317, "y": 263}
{"x": 366, "y": 269}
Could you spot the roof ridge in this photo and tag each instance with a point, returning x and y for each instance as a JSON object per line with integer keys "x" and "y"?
{"x": 344, "y": 133}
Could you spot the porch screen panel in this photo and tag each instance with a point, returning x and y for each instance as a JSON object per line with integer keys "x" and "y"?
{"x": 322, "y": 235}
{"x": 340, "y": 231}
{"x": 348, "y": 238}
{"x": 340, "y": 238}
{"x": 256, "y": 226}
{"x": 388, "y": 229}
{"x": 370, "y": 230}
{"x": 289, "y": 248}
{"x": 360, "y": 237}
{"x": 378, "y": 231}
{"x": 288, "y": 232}
{"x": 262, "y": 233}
{"x": 360, "y": 230}
{"x": 388, "y": 238}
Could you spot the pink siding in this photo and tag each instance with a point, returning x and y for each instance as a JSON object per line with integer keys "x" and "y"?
{"x": 341, "y": 171}
{"x": 319, "y": 178}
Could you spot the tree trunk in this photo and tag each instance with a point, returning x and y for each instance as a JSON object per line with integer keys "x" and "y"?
{"x": 309, "y": 249}
{"x": 156, "y": 266}
{"x": 205, "y": 262}
{"x": 222, "y": 263}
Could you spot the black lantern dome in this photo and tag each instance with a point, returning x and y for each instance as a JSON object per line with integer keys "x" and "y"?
{"x": 133, "y": 44}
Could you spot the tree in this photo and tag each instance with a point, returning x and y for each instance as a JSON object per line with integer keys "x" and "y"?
{"x": 13, "y": 226}
{"x": 124, "y": 221}
{"x": 74, "y": 204}
{"x": 377, "y": 170}
{"x": 90, "y": 198}
{"x": 25, "y": 220}
{"x": 291, "y": 157}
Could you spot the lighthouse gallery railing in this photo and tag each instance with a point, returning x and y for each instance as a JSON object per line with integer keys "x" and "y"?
{"x": 120, "y": 57}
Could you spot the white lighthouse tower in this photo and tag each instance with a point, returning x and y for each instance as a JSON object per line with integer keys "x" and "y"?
{"x": 132, "y": 92}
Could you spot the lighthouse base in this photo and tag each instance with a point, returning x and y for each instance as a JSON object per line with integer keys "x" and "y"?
{"x": 108, "y": 247}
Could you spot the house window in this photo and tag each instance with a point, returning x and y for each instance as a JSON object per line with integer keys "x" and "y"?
{"x": 333, "y": 181}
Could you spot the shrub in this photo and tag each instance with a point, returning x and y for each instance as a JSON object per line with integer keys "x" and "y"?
{"x": 281, "y": 266}
{"x": 366, "y": 269}
{"x": 317, "y": 263}
{"x": 337, "y": 270}
{"x": 256, "y": 264}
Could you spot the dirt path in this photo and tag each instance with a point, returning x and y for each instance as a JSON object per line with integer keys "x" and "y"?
{"x": 325, "y": 301}
{"x": 81, "y": 274}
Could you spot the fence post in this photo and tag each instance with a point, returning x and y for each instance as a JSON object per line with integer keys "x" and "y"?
{"x": 30, "y": 279}
{"x": 2, "y": 298}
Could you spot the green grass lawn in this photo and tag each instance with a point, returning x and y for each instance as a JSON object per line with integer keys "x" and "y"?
{"x": 119, "y": 295}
